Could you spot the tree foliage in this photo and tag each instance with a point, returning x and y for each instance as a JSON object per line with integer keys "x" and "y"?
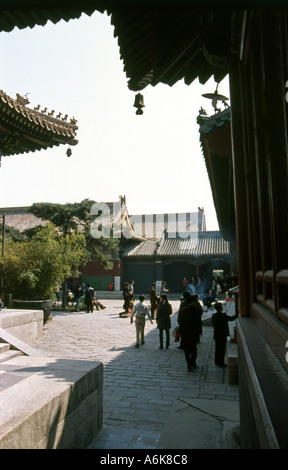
{"x": 34, "y": 267}
{"x": 76, "y": 218}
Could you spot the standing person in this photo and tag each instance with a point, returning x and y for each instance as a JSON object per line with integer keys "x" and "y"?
{"x": 163, "y": 288}
{"x": 184, "y": 284}
{"x": 153, "y": 299}
{"x": 163, "y": 320}
{"x": 190, "y": 326}
{"x": 221, "y": 331}
{"x": 183, "y": 303}
{"x": 140, "y": 310}
{"x": 128, "y": 297}
{"x": 191, "y": 287}
{"x": 89, "y": 296}
{"x": 131, "y": 289}
{"x": 77, "y": 296}
{"x": 214, "y": 289}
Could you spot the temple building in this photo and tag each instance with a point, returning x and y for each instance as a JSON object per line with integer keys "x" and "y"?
{"x": 152, "y": 248}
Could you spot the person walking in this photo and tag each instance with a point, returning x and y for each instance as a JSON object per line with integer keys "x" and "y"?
{"x": 140, "y": 310}
{"x": 190, "y": 327}
{"x": 221, "y": 331}
{"x": 163, "y": 320}
{"x": 153, "y": 299}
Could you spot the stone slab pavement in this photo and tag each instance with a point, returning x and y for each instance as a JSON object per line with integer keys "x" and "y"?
{"x": 150, "y": 399}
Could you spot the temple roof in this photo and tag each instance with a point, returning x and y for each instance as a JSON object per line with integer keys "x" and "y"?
{"x": 155, "y": 226}
{"x": 157, "y": 43}
{"x": 23, "y": 129}
{"x": 208, "y": 243}
{"x": 20, "y": 218}
{"x": 170, "y": 44}
{"x": 116, "y": 216}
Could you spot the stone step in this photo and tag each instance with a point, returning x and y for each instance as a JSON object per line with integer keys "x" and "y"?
{"x": 17, "y": 344}
{"x": 9, "y": 354}
{"x": 4, "y": 347}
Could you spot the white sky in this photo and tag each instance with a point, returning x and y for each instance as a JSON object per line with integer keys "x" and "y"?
{"x": 155, "y": 160}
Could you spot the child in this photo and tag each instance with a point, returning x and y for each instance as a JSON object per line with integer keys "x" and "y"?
{"x": 221, "y": 331}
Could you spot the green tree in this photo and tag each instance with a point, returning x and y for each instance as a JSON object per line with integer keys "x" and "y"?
{"x": 75, "y": 217}
{"x": 33, "y": 267}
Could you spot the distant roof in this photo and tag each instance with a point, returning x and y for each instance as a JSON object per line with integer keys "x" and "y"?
{"x": 155, "y": 226}
{"x": 209, "y": 243}
{"x": 23, "y": 129}
{"x": 20, "y": 218}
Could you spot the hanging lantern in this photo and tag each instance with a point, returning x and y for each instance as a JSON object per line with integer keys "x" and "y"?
{"x": 139, "y": 103}
{"x": 69, "y": 152}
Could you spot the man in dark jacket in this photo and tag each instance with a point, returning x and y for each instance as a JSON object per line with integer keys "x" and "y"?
{"x": 183, "y": 303}
{"x": 163, "y": 320}
{"x": 221, "y": 331}
{"x": 190, "y": 328}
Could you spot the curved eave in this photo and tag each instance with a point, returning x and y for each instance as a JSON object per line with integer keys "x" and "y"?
{"x": 215, "y": 139}
{"x": 165, "y": 45}
{"x": 24, "y": 130}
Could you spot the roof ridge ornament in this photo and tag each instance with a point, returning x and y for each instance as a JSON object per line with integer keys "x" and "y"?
{"x": 23, "y": 100}
{"x": 216, "y": 97}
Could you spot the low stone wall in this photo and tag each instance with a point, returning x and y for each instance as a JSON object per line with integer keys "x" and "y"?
{"x": 26, "y": 325}
{"x": 56, "y": 404}
{"x": 232, "y": 353}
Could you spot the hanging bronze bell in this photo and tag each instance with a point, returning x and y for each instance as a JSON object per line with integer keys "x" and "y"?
{"x": 139, "y": 103}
